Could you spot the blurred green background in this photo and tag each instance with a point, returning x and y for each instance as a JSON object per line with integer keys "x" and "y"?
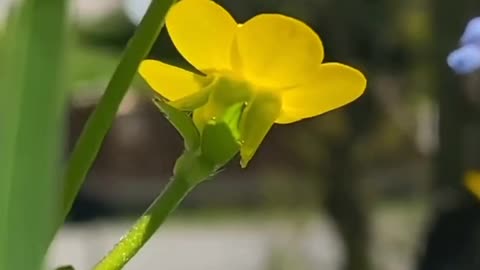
{"x": 375, "y": 185}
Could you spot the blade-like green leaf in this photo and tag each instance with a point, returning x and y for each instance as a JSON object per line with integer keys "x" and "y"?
{"x": 31, "y": 123}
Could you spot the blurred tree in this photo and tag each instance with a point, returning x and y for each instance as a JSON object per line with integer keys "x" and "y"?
{"x": 453, "y": 239}
{"x": 356, "y": 38}
{"x": 345, "y": 199}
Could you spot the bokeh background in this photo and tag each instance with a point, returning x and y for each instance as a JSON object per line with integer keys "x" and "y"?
{"x": 378, "y": 184}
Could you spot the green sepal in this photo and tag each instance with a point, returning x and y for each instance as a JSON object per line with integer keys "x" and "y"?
{"x": 182, "y": 122}
{"x": 193, "y": 101}
{"x": 193, "y": 167}
{"x": 224, "y": 93}
{"x": 220, "y": 137}
{"x": 232, "y": 119}
{"x": 257, "y": 119}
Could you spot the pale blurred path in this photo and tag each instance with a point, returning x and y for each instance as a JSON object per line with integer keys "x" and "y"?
{"x": 183, "y": 244}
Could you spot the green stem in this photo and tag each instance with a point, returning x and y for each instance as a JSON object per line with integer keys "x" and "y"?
{"x": 146, "y": 225}
{"x": 190, "y": 170}
{"x": 101, "y": 119}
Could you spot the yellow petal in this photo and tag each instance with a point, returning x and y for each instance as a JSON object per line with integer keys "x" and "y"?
{"x": 472, "y": 182}
{"x": 334, "y": 86}
{"x": 276, "y": 51}
{"x": 171, "y": 82}
{"x": 203, "y": 33}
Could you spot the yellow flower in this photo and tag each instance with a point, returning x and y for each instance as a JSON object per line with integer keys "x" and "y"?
{"x": 472, "y": 182}
{"x": 272, "y": 64}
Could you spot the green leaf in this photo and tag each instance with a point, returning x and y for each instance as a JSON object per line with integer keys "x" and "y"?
{"x": 32, "y": 110}
{"x": 182, "y": 122}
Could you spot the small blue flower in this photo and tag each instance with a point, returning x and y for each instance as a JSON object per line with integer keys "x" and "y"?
{"x": 471, "y": 35}
{"x": 465, "y": 60}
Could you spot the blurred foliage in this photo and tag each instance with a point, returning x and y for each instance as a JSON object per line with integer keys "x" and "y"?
{"x": 90, "y": 65}
{"x": 32, "y": 110}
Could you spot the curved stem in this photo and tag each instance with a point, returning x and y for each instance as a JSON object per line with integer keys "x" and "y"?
{"x": 190, "y": 170}
{"x": 99, "y": 123}
{"x": 145, "y": 226}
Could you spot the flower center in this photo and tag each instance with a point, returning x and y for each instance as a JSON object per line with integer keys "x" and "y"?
{"x": 225, "y": 91}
